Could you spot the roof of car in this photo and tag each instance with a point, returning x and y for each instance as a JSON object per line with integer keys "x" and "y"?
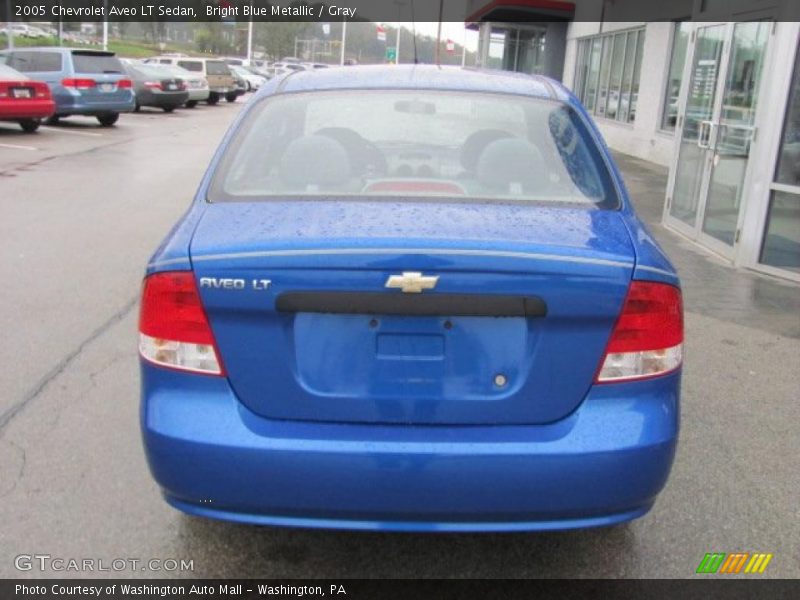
{"x": 418, "y": 77}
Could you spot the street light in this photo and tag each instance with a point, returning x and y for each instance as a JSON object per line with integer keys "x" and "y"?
{"x": 344, "y": 39}
{"x": 9, "y": 28}
{"x": 400, "y": 4}
{"x": 250, "y": 36}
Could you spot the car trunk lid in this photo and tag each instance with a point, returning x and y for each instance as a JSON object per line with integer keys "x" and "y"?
{"x": 517, "y": 305}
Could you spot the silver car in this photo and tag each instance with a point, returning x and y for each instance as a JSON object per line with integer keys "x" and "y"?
{"x": 196, "y": 84}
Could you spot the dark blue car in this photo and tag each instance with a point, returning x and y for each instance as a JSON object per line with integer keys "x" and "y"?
{"x": 411, "y": 298}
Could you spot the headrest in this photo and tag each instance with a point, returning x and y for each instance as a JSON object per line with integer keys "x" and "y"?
{"x": 314, "y": 160}
{"x": 512, "y": 166}
{"x": 474, "y": 145}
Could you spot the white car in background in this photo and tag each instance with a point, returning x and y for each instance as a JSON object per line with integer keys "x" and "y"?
{"x": 252, "y": 80}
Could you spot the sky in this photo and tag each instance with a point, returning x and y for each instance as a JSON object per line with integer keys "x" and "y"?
{"x": 450, "y": 30}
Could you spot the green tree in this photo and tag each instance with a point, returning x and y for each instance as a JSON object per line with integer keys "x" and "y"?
{"x": 277, "y": 38}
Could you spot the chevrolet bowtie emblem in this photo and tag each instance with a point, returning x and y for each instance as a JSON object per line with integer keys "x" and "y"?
{"x": 412, "y": 282}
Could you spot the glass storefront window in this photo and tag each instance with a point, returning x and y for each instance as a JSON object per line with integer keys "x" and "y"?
{"x": 592, "y": 72}
{"x": 782, "y": 235}
{"x": 520, "y": 49}
{"x": 781, "y": 247}
{"x": 615, "y": 78}
{"x": 637, "y": 67}
{"x": 627, "y": 75}
{"x": 788, "y": 169}
{"x": 607, "y": 74}
{"x": 605, "y": 66}
{"x": 680, "y": 42}
{"x": 497, "y": 49}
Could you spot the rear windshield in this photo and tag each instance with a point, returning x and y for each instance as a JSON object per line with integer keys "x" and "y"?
{"x": 96, "y": 63}
{"x": 413, "y": 144}
{"x": 34, "y": 62}
{"x": 214, "y": 67}
{"x": 191, "y": 65}
{"x": 7, "y": 72}
{"x": 175, "y": 71}
{"x": 152, "y": 72}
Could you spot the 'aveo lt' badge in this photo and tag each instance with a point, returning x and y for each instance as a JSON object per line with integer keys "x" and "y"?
{"x": 228, "y": 283}
{"x": 412, "y": 282}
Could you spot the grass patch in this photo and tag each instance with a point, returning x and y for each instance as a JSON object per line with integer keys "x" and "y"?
{"x": 124, "y": 48}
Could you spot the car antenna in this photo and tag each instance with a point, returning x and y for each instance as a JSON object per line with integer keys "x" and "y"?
{"x": 414, "y": 32}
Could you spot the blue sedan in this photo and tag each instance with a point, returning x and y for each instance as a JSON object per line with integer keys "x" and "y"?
{"x": 411, "y": 298}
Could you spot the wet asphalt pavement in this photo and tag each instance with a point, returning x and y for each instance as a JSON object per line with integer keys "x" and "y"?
{"x": 83, "y": 208}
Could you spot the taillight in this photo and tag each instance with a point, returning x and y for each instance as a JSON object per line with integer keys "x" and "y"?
{"x": 124, "y": 84}
{"x": 153, "y": 85}
{"x": 42, "y": 89}
{"x": 80, "y": 84}
{"x": 647, "y": 340}
{"x": 173, "y": 326}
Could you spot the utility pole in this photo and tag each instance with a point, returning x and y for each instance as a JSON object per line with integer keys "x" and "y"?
{"x": 400, "y": 4}
{"x": 344, "y": 40}
{"x": 105, "y": 25}
{"x": 9, "y": 29}
{"x": 437, "y": 58}
{"x": 250, "y": 37}
{"x": 464, "y": 48}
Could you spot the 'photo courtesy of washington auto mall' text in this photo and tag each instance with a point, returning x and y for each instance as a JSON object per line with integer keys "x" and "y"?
{"x": 399, "y": 299}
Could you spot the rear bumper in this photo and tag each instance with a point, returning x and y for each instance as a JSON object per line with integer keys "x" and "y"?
{"x": 75, "y": 104}
{"x": 199, "y": 95}
{"x": 161, "y": 99}
{"x": 603, "y": 464}
{"x": 30, "y": 109}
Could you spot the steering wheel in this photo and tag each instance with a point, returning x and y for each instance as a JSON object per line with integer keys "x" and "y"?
{"x": 366, "y": 159}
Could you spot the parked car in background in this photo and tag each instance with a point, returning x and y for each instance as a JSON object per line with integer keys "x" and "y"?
{"x": 196, "y": 85}
{"x": 274, "y": 71}
{"x": 221, "y": 83}
{"x": 413, "y": 298}
{"x": 82, "y": 82}
{"x": 239, "y": 62}
{"x": 252, "y": 80}
{"x": 240, "y": 87}
{"x": 290, "y": 66}
{"x": 23, "y": 30}
{"x": 23, "y": 100}
{"x": 156, "y": 87}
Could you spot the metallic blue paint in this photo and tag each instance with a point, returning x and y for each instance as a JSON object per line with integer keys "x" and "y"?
{"x": 603, "y": 463}
{"x": 291, "y": 437}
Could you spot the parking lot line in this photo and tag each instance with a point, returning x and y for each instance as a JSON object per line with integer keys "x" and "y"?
{"x": 72, "y": 131}
{"x": 17, "y": 147}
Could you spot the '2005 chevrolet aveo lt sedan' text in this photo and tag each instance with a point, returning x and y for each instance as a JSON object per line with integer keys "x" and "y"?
{"x": 411, "y": 298}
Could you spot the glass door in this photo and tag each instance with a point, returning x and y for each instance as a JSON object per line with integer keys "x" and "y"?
{"x": 717, "y": 132}
{"x": 695, "y": 126}
{"x": 733, "y": 136}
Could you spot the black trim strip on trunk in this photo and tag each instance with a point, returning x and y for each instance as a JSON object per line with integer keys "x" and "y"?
{"x": 389, "y": 303}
